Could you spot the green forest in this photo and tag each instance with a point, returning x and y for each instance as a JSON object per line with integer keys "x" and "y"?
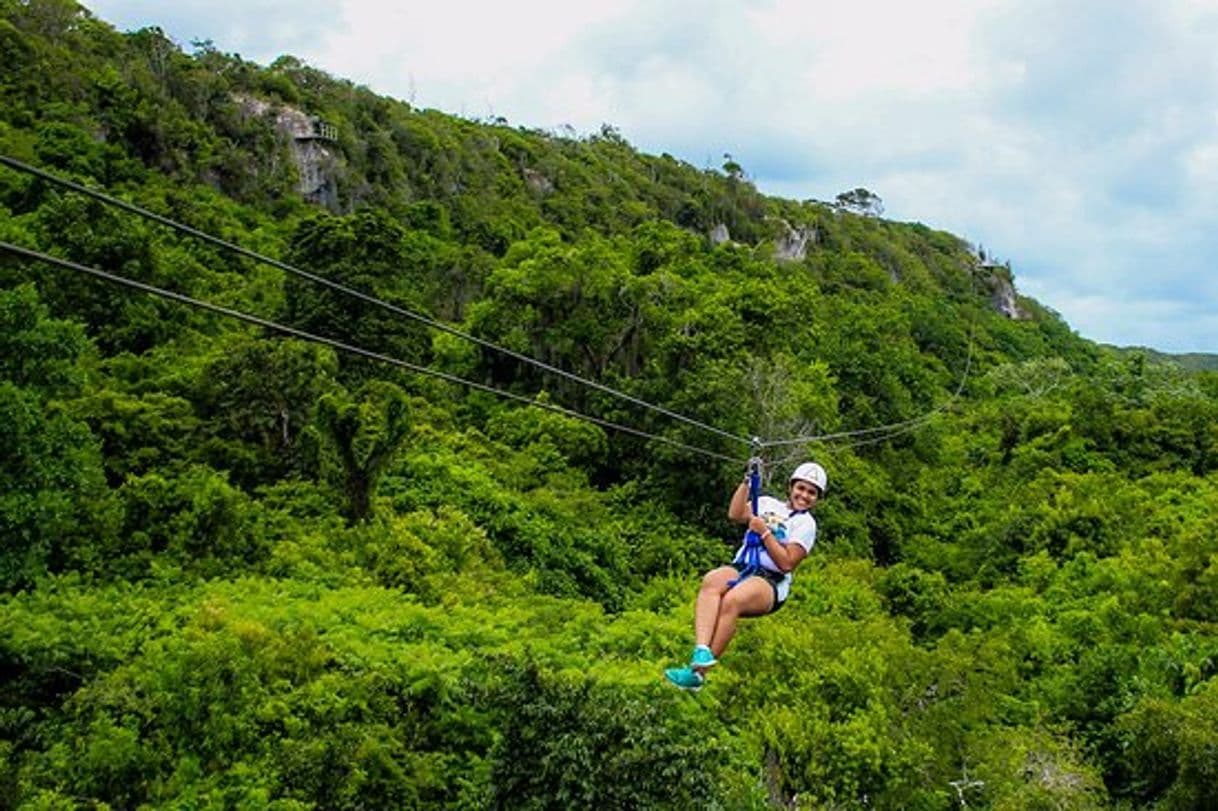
{"x": 245, "y": 569}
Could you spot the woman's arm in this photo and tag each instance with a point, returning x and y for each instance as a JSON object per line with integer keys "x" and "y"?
{"x": 786, "y": 556}
{"x": 739, "y": 511}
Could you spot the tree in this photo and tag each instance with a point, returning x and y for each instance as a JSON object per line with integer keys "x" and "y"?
{"x": 364, "y": 434}
{"x": 577, "y": 307}
{"x": 367, "y": 252}
{"x": 570, "y": 742}
{"x": 258, "y": 397}
{"x": 55, "y": 511}
{"x": 731, "y": 168}
{"x": 861, "y": 201}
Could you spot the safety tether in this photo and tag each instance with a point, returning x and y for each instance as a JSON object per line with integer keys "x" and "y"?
{"x": 748, "y": 562}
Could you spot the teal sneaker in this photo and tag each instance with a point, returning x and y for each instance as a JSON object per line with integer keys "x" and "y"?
{"x": 702, "y": 658}
{"x": 685, "y": 677}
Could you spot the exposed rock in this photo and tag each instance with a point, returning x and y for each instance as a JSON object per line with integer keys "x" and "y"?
{"x": 1002, "y": 292}
{"x": 294, "y": 123}
{"x": 794, "y": 242}
{"x": 719, "y": 234}
{"x": 538, "y": 183}
{"x": 317, "y": 166}
{"x": 312, "y": 142}
{"x": 252, "y": 107}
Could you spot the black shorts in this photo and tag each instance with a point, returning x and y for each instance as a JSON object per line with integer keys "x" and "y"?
{"x": 773, "y": 578}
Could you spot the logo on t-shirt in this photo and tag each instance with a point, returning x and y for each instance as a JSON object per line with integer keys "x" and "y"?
{"x": 775, "y": 523}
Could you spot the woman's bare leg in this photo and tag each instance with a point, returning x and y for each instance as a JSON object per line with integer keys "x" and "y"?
{"x": 748, "y": 598}
{"x": 706, "y": 608}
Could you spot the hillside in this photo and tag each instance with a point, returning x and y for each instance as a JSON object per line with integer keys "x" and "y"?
{"x": 1197, "y": 361}
{"x": 248, "y": 564}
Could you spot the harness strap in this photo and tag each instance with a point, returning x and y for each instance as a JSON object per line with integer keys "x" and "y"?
{"x": 750, "y": 556}
{"x": 748, "y": 562}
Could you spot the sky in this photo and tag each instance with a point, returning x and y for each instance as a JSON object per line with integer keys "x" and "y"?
{"x": 1075, "y": 139}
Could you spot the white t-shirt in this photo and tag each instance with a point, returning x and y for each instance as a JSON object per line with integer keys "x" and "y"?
{"x": 799, "y": 528}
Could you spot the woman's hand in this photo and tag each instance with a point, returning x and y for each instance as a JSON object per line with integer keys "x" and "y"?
{"x": 785, "y": 556}
{"x": 740, "y": 510}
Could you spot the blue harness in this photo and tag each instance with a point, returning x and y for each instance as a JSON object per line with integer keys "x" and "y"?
{"x": 748, "y": 562}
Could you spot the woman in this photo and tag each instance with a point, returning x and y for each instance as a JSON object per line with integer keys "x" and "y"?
{"x": 787, "y": 532}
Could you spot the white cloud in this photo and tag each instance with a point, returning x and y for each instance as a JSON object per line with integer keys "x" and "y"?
{"x": 457, "y": 55}
{"x": 259, "y": 30}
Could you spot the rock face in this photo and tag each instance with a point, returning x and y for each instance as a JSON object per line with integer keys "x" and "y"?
{"x": 314, "y": 148}
{"x": 315, "y": 151}
{"x": 794, "y": 242}
{"x": 537, "y": 183}
{"x": 1003, "y": 299}
{"x": 1002, "y": 292}
{"x": 316, "y": 164}
{"x": 719, "y": 234}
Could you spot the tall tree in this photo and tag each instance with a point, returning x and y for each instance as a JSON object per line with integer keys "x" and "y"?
{"x": 364, "y": 433}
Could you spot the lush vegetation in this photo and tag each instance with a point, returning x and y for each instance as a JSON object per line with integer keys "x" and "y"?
{"x": 1198, "y": 361}
{"x": 246, "y": 571}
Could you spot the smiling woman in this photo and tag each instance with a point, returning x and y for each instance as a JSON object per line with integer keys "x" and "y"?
{"x": 758, "y": 581}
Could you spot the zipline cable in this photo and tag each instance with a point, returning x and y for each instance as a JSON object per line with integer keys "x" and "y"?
{"x": 875, "y": 434}
{"x": 350, "y": 348}
{"x": 885, "y": 431}
{"x": 892, "y": 431}
{"x": 102, "y": 197}
{"x": 895, "y": 428}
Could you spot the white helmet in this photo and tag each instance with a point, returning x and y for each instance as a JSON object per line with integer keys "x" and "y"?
{"x": 812, "y": 473}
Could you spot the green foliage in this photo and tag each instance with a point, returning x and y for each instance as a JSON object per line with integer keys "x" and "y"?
{"x": 138, "y": 434}
{"x": 1170, "y": 748}
{"x": 36, "y": 351}
{"x": 911, "y": 592}
{"x": 572, "y": 742}
{"x": 416, "y": 552}
{"x": 1033, "y": 770}
{"x": 195, "y": 520}
{"x": 239, "y": 571}
{"x": 368, "y": 253}
{"x": 572, "y": 306}
{"x": 55, "y": 512}
{"x": 258, "y": 398}
{"x": 565, "y": 535}
{"x": 364, "y": 434}
{"x": 544, "y": 433}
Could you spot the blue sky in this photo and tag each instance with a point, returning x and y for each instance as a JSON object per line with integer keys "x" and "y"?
{"x": 1076, "y": 139}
